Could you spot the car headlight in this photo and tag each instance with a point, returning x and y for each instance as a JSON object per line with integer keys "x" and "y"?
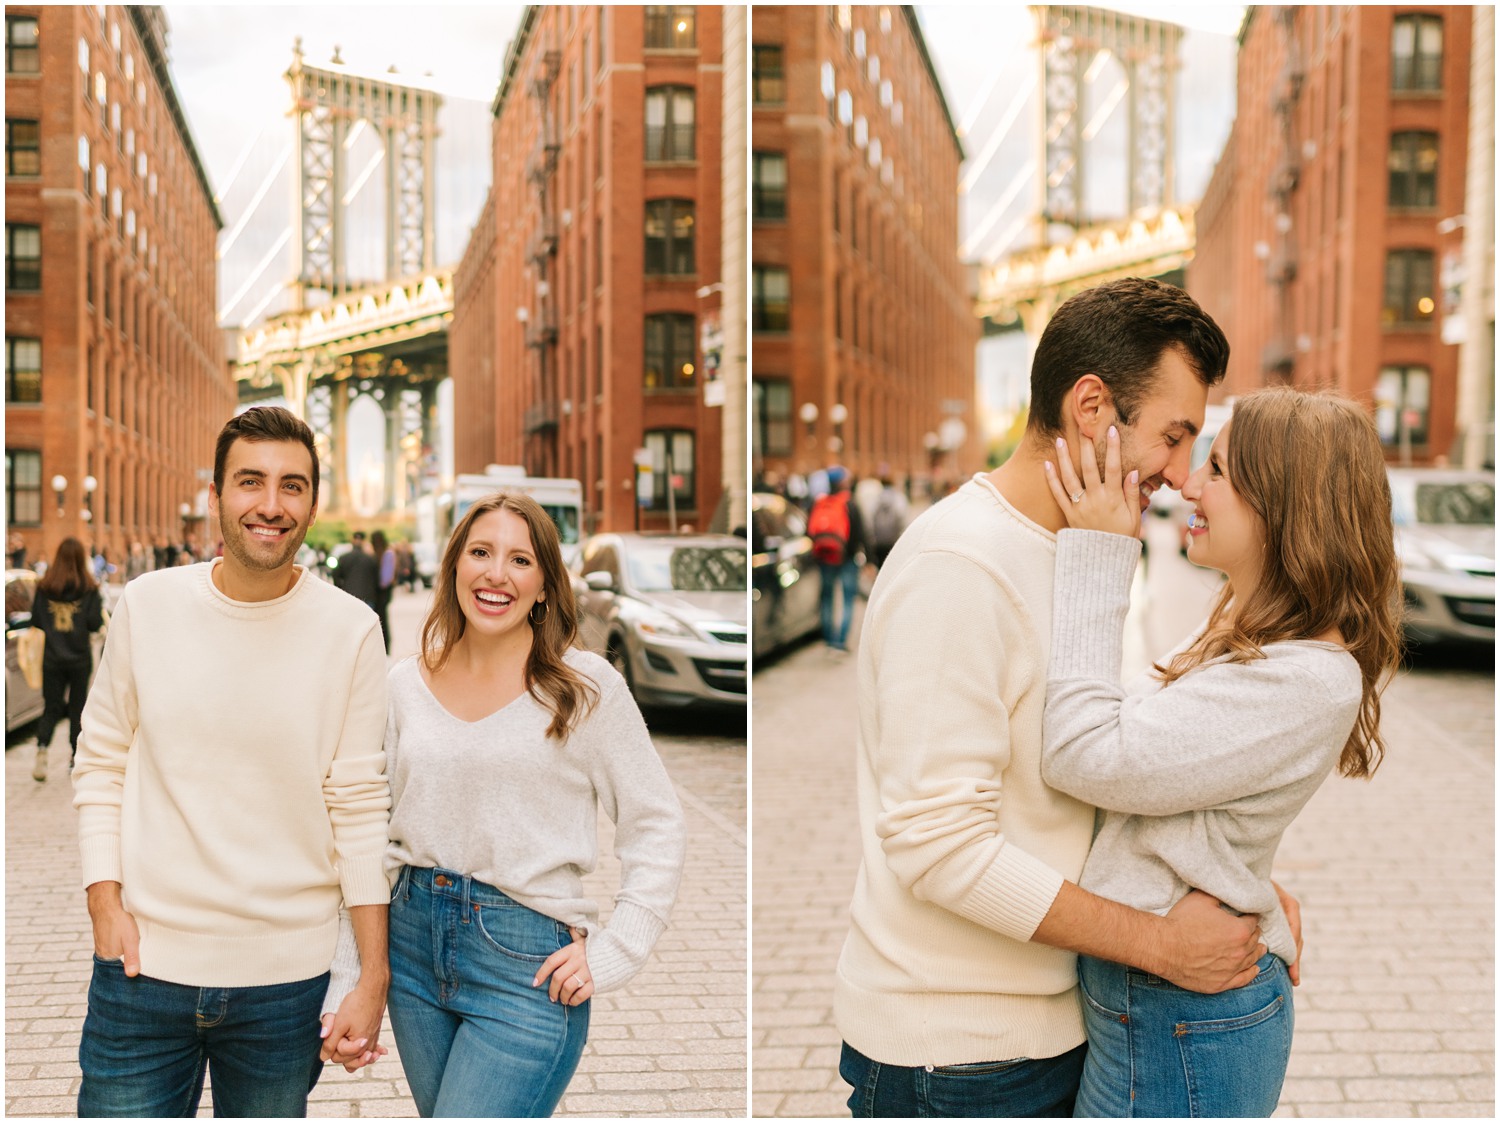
{"x": 659, "y": 624}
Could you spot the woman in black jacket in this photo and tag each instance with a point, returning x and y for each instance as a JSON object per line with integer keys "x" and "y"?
{"x": 69, "y": 608}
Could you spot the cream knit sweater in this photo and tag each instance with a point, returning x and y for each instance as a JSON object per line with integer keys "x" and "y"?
{"x": 231, "y": 775}
{"x": 965, "y": 846}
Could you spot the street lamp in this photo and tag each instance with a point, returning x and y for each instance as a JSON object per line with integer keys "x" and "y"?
{"x": 60, "y": 489}
{"x": 89, "y": 484}
{"x": 809, "y": 415}
{"x": 838, "y": 413}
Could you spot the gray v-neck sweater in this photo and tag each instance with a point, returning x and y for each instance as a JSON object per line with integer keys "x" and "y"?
{"x": 1198, "y": 780}
{"x": 498, "y": 800}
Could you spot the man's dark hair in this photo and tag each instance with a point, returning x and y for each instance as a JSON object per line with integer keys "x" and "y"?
{"x": 1118, "y": 331}
{"x": 264, "y": 423}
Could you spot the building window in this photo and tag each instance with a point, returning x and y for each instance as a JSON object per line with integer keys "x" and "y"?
{"x": 768, "y": 186}
{"x": 21, "y": 54}
{"x": 670, "y": 351}
{"x": 771, "y": 299}
{"x": 769, "y": 82}
{"x": 23, "y": 148}
{"x": 1408, "y": 288}
{"x": 23, "y": 258}
{"x": 1413, "y": 170}
{"x": 23, "y": 487}
{"x": 1402, "y": 400}
{"x": 23, "y": 370}
{"x": 669, "y": 123}
{"x": 773, "y": 417}
{"x": 1417, "y": 53}
{"x": 672, "y": 462}
{"x": 669, "y": 236}
{"x": 672, "y": 28}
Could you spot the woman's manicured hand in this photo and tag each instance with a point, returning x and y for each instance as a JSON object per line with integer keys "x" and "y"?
{"x": 1092, "y": 503}
{"x": 572, "y": 983}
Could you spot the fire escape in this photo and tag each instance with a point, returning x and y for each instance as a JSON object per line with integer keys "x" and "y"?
{"x": 1278, "y": 361}
{"x": 541, "y": 325}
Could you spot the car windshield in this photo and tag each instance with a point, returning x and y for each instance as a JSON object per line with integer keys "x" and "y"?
{"x": 1464, "y": 503}
{"x": 662, "y": 567}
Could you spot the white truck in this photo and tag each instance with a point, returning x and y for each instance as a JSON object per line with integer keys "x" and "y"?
{"x": 560, "y": 498}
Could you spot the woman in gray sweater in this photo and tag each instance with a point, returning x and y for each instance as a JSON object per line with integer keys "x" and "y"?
{"x": 502, "y": 744}
{"x": 1199, "y": 765}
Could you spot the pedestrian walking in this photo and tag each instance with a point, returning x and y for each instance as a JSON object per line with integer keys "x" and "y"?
{"x": 1202, "y": 763}
{"x": 15, "y": 551}
{"x": 69, "y": 609}
{"x": 358, "y": 574}
{"x": 231, "y": 792}
{"x": 385, "y": 583}
{"x": 888, "y": 521}
{"x": 837, "y": 533}
{"x": 138, "y": 562}
{"x": 504, "y": 741}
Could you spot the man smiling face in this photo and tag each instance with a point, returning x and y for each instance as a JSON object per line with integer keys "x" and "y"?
{"x": 266, "y": 505}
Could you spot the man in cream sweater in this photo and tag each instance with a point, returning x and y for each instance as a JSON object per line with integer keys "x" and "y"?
{"x": 956, "y": 991}
{"x": 231, "y": 793}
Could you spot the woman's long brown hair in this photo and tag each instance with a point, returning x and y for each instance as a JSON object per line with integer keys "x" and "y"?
{"x": 1311, "y": 468}
{"x": 68, "y": 577}
{"x": 569, "y": 695}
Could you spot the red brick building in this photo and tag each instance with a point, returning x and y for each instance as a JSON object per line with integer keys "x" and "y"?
{"x": 576, "y": 336}
{"x": 1326, "y": 230}
{"x": 114, "y": 365}
{"x": 863, "y": 328}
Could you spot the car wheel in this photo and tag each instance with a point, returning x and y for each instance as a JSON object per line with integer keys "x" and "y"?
{"x": 615, "y": 652}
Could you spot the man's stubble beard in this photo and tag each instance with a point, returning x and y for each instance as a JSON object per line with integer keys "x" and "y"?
{"x": 235, "y": 544}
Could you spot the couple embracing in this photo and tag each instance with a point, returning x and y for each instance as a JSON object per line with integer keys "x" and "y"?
{"x": 248, "y": 774}
{"x": 1065, "y": 904}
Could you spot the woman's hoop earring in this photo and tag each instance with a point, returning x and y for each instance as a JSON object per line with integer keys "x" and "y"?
{"x": 532, "y": 616}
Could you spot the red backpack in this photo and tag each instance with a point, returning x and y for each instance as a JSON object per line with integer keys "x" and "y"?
{"x": 829, "y": 527}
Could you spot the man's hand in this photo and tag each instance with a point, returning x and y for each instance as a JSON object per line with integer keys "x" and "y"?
{"x": 115, "y": 933}
{"x": 1293, "y": 912}
{"x": 1210, "y": 950}
{"x": 351, "y": 1036}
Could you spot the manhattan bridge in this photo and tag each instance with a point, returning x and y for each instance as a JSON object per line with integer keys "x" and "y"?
{"x": 336, "y": 284}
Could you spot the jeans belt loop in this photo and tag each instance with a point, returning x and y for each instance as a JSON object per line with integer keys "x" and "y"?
{"x": 468, "y": 884}
{"x": 406, "y": 883}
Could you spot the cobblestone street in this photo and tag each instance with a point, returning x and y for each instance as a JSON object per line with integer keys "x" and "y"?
{"x": 1395, "y": 1014}
{"x": 671, "y": 1043}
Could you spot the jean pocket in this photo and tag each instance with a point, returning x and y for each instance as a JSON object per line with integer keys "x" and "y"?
{"x": 1236, "y": 1066}
{"x": 1230, "y": 1025}
{"x": 520, "y": 932}
{"x": 979, "y": 1068}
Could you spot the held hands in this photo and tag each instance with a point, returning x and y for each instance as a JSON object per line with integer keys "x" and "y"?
{"x": 572, "y": 983}
{"x": 1214, "y": 950}
{"x": 351, "y": 1036}
{"x": 1092, "y": 503}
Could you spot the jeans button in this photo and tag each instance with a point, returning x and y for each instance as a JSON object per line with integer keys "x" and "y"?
{"x": 441, "y": 881}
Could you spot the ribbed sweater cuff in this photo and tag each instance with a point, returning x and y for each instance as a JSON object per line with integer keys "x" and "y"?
{"x": 620, "y": 950}
{"x": 344, "y": 970}
{"x": 362, "y": 877}
{"x": 101, "y": 858}
{"x": 1014, "y": 894}
{"x": 1091, "y": 594}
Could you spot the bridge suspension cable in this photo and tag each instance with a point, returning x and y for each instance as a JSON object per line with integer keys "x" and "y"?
{"x": 992, "y": 216}
{"x": 286, "y": 236}
{"x": 971, "y": 176}
{"x": 238, "y": 164}
{"x": 286, "y": 154}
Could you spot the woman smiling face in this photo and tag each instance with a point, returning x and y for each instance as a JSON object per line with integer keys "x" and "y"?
{"x": 1226, "y": 534}
{"x": 498, "y": 578}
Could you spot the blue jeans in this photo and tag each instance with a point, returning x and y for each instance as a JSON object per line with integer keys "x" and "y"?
{"x": 845, "y": 575}
{"x": 1015, "y": 1088}
{"x": 476, "y": 1039}
{"x": 1157, "y": 1050}
{"x": 146, "y": 1044}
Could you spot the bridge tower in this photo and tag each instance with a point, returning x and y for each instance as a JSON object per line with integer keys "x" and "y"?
{"x": 1073, "y": 249}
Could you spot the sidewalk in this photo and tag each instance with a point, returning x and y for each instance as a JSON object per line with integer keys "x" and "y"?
{"x": 1395, "y": 1015}
{"x": 671, "y": 1043}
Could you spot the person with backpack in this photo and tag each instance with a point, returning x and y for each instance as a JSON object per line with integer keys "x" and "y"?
{"x": 887, "y": 522}
{"x": 837, "y": 533}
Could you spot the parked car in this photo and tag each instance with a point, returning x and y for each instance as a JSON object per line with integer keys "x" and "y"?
{"x": 22, "y": 703}
{"x": 668, "y": 611}
{"x": 784, "y": 574}
{"x": 1445, "y": 540}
